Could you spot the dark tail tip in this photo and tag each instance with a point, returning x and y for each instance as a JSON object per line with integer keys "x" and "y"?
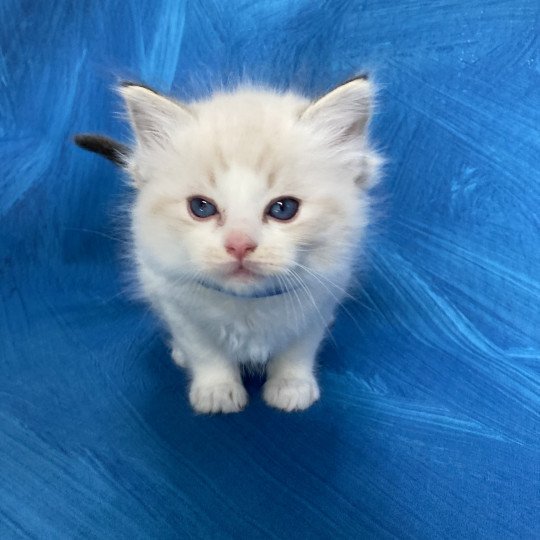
{"x": 110, "y": 149}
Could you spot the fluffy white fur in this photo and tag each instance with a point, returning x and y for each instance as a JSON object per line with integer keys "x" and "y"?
{"x": 242, "y": 150}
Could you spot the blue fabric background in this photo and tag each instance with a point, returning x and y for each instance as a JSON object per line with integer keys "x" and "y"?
{"x": 428, "y": 425}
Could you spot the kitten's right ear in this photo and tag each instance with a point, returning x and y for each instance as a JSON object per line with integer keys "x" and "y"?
{"x": 153, "y": 117}
{"x": 344, "y": 112}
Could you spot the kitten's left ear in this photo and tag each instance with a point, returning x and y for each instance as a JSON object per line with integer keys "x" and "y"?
{"x": 344, "y": 111}
{"x": 154, "y": 117}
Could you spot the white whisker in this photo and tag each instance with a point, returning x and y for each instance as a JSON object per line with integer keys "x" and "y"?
{"x": 312, "y": 299}
{"x": 338, "y": 300}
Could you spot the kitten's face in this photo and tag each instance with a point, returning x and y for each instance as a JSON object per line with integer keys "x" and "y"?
{"x": 247, "y": 190}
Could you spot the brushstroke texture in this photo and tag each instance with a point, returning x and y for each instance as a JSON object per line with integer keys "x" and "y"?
{"x": 429, "y": 422}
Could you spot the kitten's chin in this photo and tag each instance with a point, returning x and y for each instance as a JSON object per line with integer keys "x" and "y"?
{"x": 242, "y": 281}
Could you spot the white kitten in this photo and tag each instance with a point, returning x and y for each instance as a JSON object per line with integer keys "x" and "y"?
{"x": 249, "y": 213}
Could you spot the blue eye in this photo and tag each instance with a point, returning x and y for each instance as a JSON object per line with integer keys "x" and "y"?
{"x": 283, "y": 209}
{"x": 202, "y": 208}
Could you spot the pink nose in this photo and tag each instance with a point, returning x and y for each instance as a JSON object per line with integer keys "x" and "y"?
{"x": 239, "y": 245}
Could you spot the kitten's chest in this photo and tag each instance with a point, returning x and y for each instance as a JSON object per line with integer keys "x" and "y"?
{"x": 251, "y": 333}
{"x": 244, "y": 330}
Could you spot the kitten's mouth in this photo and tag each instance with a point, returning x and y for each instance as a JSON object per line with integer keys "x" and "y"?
{"x": 243, "y": 273}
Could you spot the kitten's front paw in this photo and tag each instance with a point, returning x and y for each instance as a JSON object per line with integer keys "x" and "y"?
{"x": 291, "y": 394}
{"x": 226, "y": 397}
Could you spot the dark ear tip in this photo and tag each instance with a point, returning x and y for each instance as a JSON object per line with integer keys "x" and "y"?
{"x": 127, "y": 84}
{"x": 359, "y": 77}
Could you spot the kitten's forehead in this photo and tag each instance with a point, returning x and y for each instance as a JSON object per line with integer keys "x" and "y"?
{"x": 249, "y": 129}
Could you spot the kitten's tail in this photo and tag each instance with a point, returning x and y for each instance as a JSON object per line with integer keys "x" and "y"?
{"x": 110, "y": 149}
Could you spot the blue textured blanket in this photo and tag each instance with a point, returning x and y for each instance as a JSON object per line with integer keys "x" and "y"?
{"x": 428, "y": 425}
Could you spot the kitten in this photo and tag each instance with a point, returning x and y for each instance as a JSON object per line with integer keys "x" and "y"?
{"x": 250, "y": 211}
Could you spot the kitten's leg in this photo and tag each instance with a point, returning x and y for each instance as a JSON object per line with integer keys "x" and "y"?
{"x": 291, "y": 383}
{"x": 216, "y": 386}
{"x": 216, "y": 383}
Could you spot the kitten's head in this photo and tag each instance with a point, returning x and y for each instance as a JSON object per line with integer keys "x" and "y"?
{"x": 250, "y": 189}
